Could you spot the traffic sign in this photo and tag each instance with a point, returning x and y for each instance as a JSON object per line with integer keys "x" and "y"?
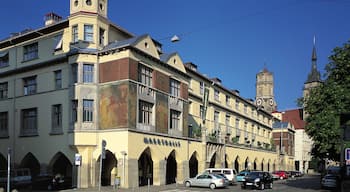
{"x": 347, "y": 154}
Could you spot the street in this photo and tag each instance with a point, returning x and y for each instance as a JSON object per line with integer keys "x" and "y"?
{"x": 303, "y": 184}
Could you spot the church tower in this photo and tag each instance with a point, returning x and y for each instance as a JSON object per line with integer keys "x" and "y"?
{"x": 89, "y": 6}
{"x": 314, "y": 77}
{"x": 264, "y": 91}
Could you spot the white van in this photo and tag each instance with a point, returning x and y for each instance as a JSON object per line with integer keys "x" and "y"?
{"x": 229, "y": 173}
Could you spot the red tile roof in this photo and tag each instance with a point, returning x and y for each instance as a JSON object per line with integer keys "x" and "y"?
{"x": 294, "y": 116}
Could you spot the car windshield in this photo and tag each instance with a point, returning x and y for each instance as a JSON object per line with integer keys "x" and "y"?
{"x": 242, "y": 174}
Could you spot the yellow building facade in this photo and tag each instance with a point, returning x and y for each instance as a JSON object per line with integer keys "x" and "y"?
{"x": 83, "y": 87}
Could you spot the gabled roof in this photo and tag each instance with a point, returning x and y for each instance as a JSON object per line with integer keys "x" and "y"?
{"x": 166, "y": 56}
{"x": 295, "y": 117}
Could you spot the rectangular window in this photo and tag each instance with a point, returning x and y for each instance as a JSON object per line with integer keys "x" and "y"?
{"x": 4, "y": 59}
{"x": 3, "y": 124}
{"x": 174, "y": 88}
{"x": 175, "y": 120}
{"x": 58, "y": 79}
{"x": 216, "y": 95}
{"x": 145, "y": 75}
{"x": 29, "y": 122}
{"x": 145, "y": 113}
{"x": 75, "y": 34}
{"x": 237, "y": 123}
{"x": 30, "y": 52}
{"x": 102, "y": 37}
{"x": 3, "y": 90}
{"x": 74, "y": 73}
{"x": 245, "y": 109}
{"x": 201, "y": 87}
{"x": 29, "y": 85}
{"x": 227, "y": 100}
{"x": 88, "y": 33}
{"x": 237, "y": 104}
{"x": 216, "y": 120}
{"x": 227, "y": 120}
{"x": 88, "y": 73}
{"x": 74, "y": 111}
{"x": 57, "y": 118}
{"x": 88, "y": 110}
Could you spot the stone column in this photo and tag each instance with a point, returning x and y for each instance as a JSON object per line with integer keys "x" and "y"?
{"x": 159, "y": 172}
{"x": 133, "y": 173}
{"x": 183, "y": 171}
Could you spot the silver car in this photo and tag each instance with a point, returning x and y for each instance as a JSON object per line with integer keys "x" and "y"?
{"x": 207, "y": 180}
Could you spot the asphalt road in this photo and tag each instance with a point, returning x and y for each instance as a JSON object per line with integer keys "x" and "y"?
{"x": 303, "y": 184}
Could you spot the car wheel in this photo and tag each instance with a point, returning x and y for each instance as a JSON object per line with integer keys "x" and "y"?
{"x": 262, "y": 186}
{"x": 212, "y": 186}
{"x": 188, "y": 184}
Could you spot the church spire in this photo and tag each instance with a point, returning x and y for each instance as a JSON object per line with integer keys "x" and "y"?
{"x": 314, "y": 75}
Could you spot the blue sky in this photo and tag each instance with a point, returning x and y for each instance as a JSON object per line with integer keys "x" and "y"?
{"x": 229, "y": 39}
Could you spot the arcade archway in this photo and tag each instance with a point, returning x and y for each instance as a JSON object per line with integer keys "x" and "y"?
{"x": 171, "y": 168}
{"x": 193, "y": 165}
{"x": 145, "y": 163}
{"x": 29, "y": 161}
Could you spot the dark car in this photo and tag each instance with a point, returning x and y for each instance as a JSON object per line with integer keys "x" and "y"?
{"x": 258, "y": 179}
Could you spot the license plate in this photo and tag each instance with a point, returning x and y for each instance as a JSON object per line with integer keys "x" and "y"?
{"x": 249, "y": 183}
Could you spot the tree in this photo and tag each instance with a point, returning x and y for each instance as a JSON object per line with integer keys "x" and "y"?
{"x": 326, "y": 102}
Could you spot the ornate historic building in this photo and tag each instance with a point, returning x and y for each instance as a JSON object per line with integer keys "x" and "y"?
{"x": 83, "y": 91}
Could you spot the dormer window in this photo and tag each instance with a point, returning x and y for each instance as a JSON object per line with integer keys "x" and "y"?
{"x": 76, "y": 3}
{"x": 30, "y": 52}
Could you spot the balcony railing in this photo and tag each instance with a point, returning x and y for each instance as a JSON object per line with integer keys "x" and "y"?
{"x": 145, "y": 92}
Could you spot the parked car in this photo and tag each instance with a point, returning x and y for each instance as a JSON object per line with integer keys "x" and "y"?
{"x": 229, "y": 173}
{"x": 258, "y": 179}
{"x": 207, "y": 180}
{"x": 295, "y": 174}
{"x": 281, "y": 174}
{"x": 240, "y": 176}
{"x": 329, "y": 181}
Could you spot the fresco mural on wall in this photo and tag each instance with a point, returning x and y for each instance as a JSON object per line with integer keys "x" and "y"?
{"x": 162, "y": 113}
{"x": 114, "y": 106}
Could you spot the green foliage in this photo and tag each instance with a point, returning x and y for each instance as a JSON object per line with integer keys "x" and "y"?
{"x": 326, "y": 102}
{"x": 235, "y": 140}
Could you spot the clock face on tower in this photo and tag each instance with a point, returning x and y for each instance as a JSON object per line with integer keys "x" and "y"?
{"x": 259, "y": 102}
{"x": 271, "y": 102}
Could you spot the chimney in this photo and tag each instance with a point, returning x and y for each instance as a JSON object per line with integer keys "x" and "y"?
{"x": 52, "y": 18}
